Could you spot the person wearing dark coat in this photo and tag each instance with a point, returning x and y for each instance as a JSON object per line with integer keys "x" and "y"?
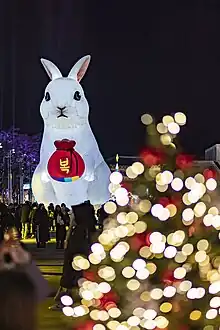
{"x": 78, "y": 243}
{"x": 60, "y": 221}
{"x": 42, "y": 226}
{"x": 25, "y": 212}
{"x": 3, "y": 219}
{"x": 17, "y": 215}
{"x": 32, "y": 219}
{"x": 51, "y": 211}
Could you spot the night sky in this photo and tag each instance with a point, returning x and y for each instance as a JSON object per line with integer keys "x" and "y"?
{"x": 147, "y": 56}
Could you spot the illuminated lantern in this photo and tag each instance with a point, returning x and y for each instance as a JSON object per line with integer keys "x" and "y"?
{"x": 65, "y": 164}
{"x": 62, "y": 176}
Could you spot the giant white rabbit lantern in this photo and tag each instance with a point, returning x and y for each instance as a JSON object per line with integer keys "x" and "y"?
{"x": 71, "y": 169}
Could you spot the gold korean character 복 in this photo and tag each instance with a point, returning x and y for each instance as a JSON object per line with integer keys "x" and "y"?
{"x": 64, "y": 165}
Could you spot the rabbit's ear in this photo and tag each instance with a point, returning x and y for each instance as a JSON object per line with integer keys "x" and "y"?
{"x": 79, "y": 69}
{"x": 51, "y": 69}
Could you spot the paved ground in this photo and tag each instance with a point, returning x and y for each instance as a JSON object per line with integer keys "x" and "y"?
{"x": 49, "y": 261}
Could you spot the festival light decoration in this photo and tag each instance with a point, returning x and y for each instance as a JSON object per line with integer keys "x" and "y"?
{"x": 70, "y": 158}
{"x": 161, "y": 256}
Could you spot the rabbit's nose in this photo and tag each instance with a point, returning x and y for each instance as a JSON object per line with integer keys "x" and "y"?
{"x": 61, "y": 108}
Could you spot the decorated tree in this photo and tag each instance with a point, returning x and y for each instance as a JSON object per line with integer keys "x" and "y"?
{"x": 23, "y": 152}
{"x": 156, "y": 265}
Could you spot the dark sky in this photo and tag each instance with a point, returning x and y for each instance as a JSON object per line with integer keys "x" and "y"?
{"x": 147, "y": 56}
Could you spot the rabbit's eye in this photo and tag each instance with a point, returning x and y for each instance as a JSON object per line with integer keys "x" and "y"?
{"x": 47, "y": 96}
{"x": 77, "y": 96}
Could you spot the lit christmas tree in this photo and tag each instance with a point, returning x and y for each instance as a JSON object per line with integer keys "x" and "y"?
{"x": 156, "y": 264}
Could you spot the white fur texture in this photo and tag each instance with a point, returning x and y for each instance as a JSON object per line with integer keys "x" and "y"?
{"x": 93, "y": 185}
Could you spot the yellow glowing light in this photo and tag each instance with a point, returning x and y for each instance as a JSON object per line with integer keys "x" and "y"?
{"x": 130, "y": 174}
{"x": 207, "y": 220}
{"x": 211, "y": 314}
{"x": 137, "y": 168}
{"x": 116, "y": 177}
{"x": 180, "y": 257}
{"x": 145, "y": 252}
{"x": 145, "y": 296}
{"x": 68, "y": 311}
{"x": 160, "y": 179}
{"x": 146, "y": 119}
{"x": 199, "y": 178}
{"x": 161, "y": 128}
{"x": 156, "y": 294}
{"x": 110, "y": 207}
{"x": 213, "y": 210}
{"x": 185, "y": 286}
{"x": 199, "y": 209}
{"x": 215, "y": 302}
{"x": 95, "y": 259}
{"x": 140, "y": 227}
{"x": 166, "y": 307}
{"x": 156, "y": 210}
{"x": 203, "y": 245}
{"x": 187, "y": 249}
{"x": 113, "y": 187}
{"x": 98, "y": 326}
{"x": 132, "y": 217}
{"x": 195, "y": 315}
{"x": 112, "y": 325}
{"x": 150, "y": 314}
{"x": 185, "y": 199}
{"x": 172, "y": 209}
{"x": 104, "y": 287}
{"x": 177, "y": 184}
{"x": 170, "y": 252}
{"x": 164, "y": 215}
{"x": 133, "y": 321}
{"x": 145, "y": 206}
{"x": 97, "y": 248}
{"x": 161, "y": 322}
{"x": 155, "y": 237}
{"x": 94, "y": 314}
{"x": 114, "y": 312}
{"x": 211, "y": 184}
{"x": 169, "y": 291}
{"x": 214, "y": 287}
{"x": 167, "y": 177}
{"x": 139, "y": 264}
{"x": 162, "y": 188}
{"x": 180, "y": 118}
{"x": 167, "y": 120}
{"x": 121, "y": 218}
{"x": 173, "y": 128}
{"x": 157, "y": 247}
{"x": 133, "y": 285}
{"x": 179, "y": 273}
{"x": 176, "y": 238}
{"x": 190, "y": 182}
{"x": 166, "y": 139}
{"x": 139, "y": 312}
{"x": 142, "y": 274}
{"x": 151, "y": 267}
{"x": 216, "y": 221}
{"x": 188, "y": 214}
{"x": 200, "y": 256}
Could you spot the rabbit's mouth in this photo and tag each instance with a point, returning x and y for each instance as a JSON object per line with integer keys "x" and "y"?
{"x": 62, "y": 115}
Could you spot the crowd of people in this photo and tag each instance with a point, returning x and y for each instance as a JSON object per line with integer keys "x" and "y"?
{"x": 37, "y": 221}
